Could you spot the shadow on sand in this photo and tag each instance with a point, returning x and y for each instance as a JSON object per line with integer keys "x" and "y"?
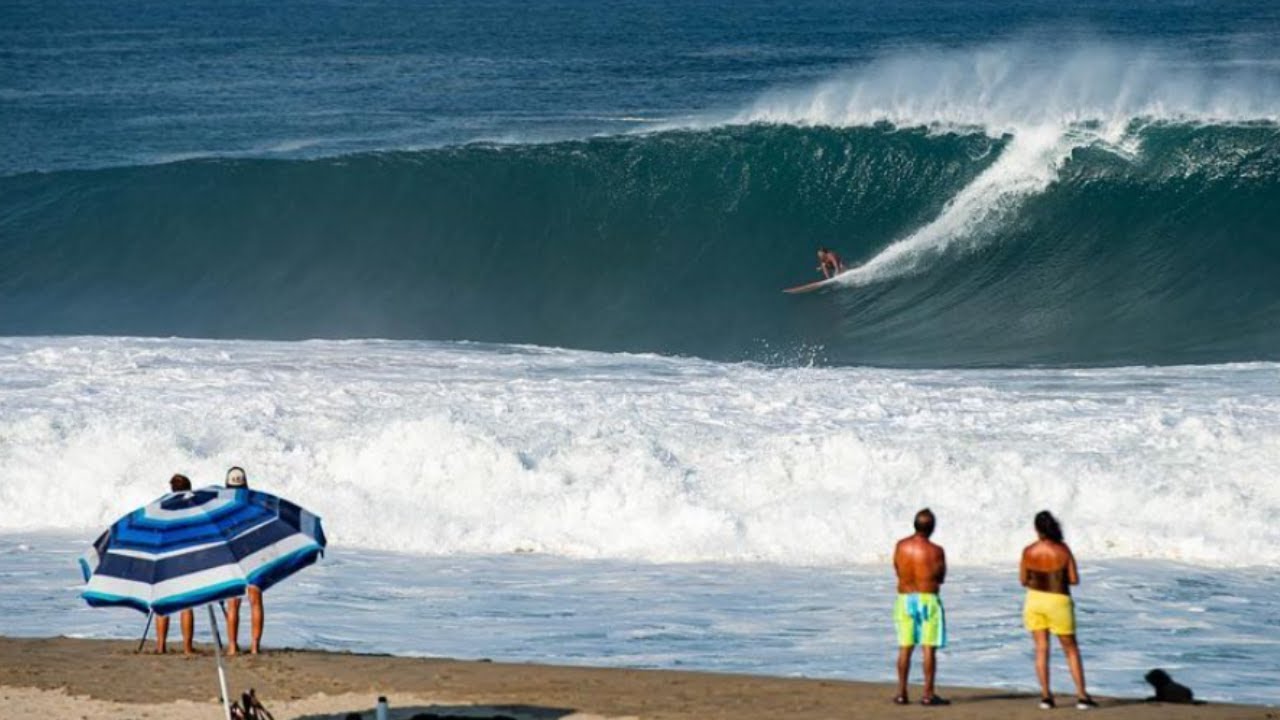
{"x": 987, "y": 697}
{"x": 457, "y": 712}
{"x": 1066, "y": 701}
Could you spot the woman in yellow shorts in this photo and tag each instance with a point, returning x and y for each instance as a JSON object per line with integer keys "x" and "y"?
{"x": 1048, "y": 571}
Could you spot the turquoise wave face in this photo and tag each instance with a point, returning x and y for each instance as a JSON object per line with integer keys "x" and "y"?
{"x": 1159, "y": 249}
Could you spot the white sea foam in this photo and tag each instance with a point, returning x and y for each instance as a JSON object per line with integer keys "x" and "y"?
{"x": 1005, "y": 87}
{"x": 446, "y": 448}
{"x": 1026, "y": 167}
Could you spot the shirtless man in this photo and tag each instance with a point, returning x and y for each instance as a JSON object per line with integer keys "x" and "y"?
{"x": 1048, "y": 570}
{"x": 177, "y": 484}
{"x": 829, "y": 263}
{"x": 922, "y": 568}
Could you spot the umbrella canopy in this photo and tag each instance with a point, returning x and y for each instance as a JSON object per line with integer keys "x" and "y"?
{"x": 191, "y": 548}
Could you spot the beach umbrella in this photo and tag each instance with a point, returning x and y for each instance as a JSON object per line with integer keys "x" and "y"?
{"x": 193, "y": 548}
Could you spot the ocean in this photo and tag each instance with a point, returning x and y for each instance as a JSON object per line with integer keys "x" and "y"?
{"x": 493, "y": 287}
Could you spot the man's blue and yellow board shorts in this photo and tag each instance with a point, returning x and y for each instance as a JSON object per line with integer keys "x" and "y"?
{"x": 1054, "y": 612}
{"x": 920, "y": 620}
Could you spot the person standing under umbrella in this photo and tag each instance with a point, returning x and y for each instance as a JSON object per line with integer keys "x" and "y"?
{"x": 196, "y": 549}
{"x": 177, "y": 484}
{"x": 236, "y": 478}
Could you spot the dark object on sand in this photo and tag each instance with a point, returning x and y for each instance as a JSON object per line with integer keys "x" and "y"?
{"x": 250, "y": 708}
{"x": 434, "y": 716}
{"x": 1167, "y": 690}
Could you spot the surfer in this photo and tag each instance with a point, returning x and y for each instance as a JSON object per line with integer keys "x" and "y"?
{"x": 829, "y": 263}
{"x": 921, "y": 566}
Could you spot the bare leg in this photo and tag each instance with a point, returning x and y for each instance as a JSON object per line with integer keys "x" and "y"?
{"x": 904, "y": 669}
{"x": 233, "y": 626}
{"x": 1076, "y": 665}
{"x": 930, "y": 669}
{"x": 257, "y": 616}
{"x": 1042, "y": 661}
{"x": 162, "y": 633}
{"x": 188, "y": 620}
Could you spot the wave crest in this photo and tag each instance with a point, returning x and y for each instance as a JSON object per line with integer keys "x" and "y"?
{"x": 1010, "y": 86}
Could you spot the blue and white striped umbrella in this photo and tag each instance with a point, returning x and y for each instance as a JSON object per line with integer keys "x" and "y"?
{"x": 191, "y": 548}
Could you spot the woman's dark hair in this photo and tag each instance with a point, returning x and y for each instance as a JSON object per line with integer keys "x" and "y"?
{"x": 179, "y": 483}
{"x": 1047, "y": 525}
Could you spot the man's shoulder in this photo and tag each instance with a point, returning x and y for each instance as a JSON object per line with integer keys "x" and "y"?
{"x": 913, "y": 543}
{"x": 933, "y": 550}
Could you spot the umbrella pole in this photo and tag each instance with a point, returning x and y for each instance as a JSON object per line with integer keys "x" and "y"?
{"x": 217, "y": 653}
{"x": 146, "y": 629}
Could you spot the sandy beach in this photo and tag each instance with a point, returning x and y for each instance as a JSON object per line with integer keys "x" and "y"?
{"x": 99, "y": 679}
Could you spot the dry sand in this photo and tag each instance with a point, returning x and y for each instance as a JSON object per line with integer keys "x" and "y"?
{"x": 98, "y": 679}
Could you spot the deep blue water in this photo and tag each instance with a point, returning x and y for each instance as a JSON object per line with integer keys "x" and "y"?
{"x": 1075, "y": 183}
{"x": 107, "y": 82}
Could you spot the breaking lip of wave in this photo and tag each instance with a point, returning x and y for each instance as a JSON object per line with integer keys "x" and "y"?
{"x": 1007, "y": 87}
{"x": 1047, "y": 102}
{"x": 1027, "y": 166}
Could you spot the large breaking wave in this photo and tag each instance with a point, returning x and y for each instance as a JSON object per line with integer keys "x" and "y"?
{"x": 1098, "y": 207}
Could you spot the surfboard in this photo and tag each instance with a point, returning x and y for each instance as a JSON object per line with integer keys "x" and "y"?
{"x": 815, "y": 285}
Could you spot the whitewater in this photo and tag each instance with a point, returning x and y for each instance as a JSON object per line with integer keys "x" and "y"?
{"x": 442, "y": 448}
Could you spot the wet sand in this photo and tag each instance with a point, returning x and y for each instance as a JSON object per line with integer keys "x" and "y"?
{"x": 99, "y": 679}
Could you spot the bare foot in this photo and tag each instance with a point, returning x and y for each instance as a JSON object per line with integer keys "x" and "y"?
{"x": 233, "y": 650}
